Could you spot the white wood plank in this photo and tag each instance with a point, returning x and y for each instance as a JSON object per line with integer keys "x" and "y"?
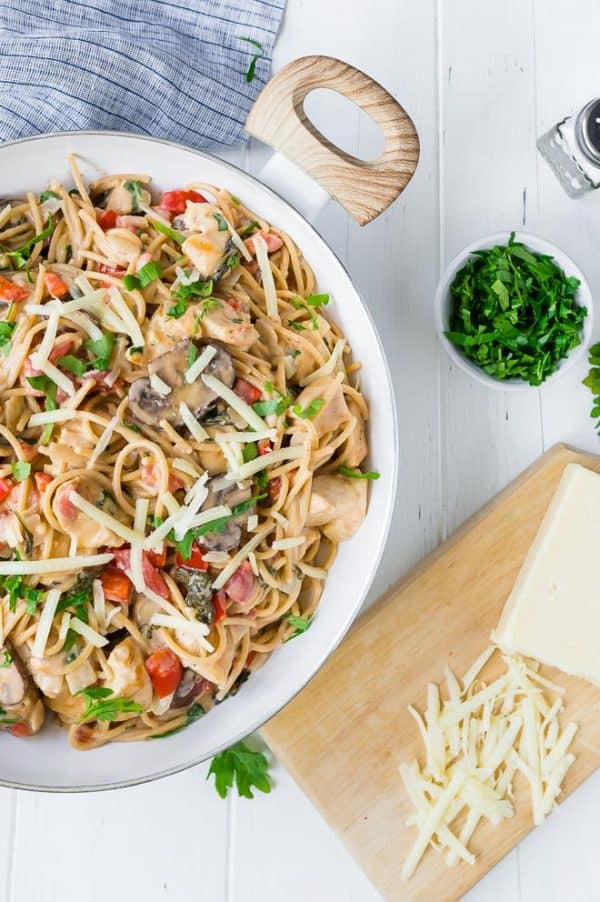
{"x": 502, "y": 883}
{"x": 163, "y": 841}
{"x": 8, "y": 801}
{"x": 488, "y": 162}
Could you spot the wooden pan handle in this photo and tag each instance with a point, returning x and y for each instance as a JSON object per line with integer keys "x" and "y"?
{"x": 365, "y": 189}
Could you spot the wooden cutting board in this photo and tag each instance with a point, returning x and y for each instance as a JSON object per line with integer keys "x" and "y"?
{"x": 344, "y": 736}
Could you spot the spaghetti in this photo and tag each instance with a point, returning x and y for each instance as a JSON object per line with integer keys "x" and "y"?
{"x": 180, "y": 434}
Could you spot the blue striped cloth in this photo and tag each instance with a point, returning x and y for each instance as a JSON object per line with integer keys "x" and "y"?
{"x": 169, "y": 69}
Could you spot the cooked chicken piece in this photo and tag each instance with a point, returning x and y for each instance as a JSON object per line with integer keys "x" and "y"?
{"x": 202, "y": 217}
{"x": 80, "y": 678}
{"x": 120, "y": 245}
{"x": 206, "y": 251}
{"x": 21, "y": 709}
{"x": 75, "y": 523}
{"x": 150, "y": 406}
{"x": 334, "y": 412}
{"x": 230, "y": 323}
{"x": 212, "y": 460}
{"x": 356, "y": 443}
{"x": 121, "y": 200}
{"x": 338, "y": 505}
{"x": 129, "y": 676}
{"x": 304, "y": 362}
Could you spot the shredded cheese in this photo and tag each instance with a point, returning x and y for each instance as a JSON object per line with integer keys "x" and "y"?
{"x": 45, "y": 622}
{"x": 198, "y": 631}
{"x": 40, "y": 356}
{"x": 246, "y": 436}
{"x": 309, "y": 570}
{"x": 252, "y": 522}
{"x": 57, "y": 377}
{"x": 159, "y": 385}
{"x": 93, "y": 637}
{"x": 50, "y": 416}
{"x": 266, "y": 272}
{"x": 184, "y": 466}
{"x": 99, "y": 603}
{"x": 200, "y": 364}
{"x": 328, "y": 368}
{"x": 196, "y": 430}
{"x": 238, "y": 242}
{"x": 475, "y": 741}
{"x": 135, "y": 557}
{"x": 264, "y": 461}
{"x": 103, "y": 442}
{"x": 240, "y": 406}
{"x": 291, "y": 542}
{"x": 239, "y": 558}
{"x": 53, "y": 565}
{"x": 100, "y": 516}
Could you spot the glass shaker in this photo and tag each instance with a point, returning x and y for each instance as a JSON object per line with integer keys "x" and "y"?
{"x": 572, "y": 149}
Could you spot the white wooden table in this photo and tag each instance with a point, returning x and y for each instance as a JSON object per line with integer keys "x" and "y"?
{"x": 481, "y": 80}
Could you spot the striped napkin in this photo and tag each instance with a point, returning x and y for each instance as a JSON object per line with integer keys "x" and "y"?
{"x": 187, "y": 70}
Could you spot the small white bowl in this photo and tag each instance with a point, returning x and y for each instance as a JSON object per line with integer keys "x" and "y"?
{"x": 540, "y": 246}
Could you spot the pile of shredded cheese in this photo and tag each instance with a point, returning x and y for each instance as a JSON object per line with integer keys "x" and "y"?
{"x": 475, "y": 741}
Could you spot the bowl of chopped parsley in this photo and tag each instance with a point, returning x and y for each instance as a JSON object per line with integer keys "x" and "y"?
{"x": 514, "y": 311}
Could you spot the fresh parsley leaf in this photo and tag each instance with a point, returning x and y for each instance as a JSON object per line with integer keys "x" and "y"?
{"x": 16, "y": 588}
{"x": 310, "y": 411}
{"x": 72, "y": 364}
{"x": 222, "y": 225}
{"x": 173, "y": 234}
{"x": 514, "y": 312}
{"x": 275, "y": 406}
{"x": 249, "y": 229}
{"x": 177, "y": 310}
{"x": 133, "y": 426}
{"x": 316, "y": 300}
{"x": 7, "y": 720}
{"x": 244, "y": 506}
{"x": 300, "y": 624}
{"x": 135, "y": 189}
{"x": 262, "y": 481}
{"x": 357, "y": 474}
{"x": 99, "y": 705}
{"x": 20, "y": 469}
{"x": 240, "y": 764}
{"x": 232, "y": 260}
{"x": 22, "y": 254}
{"x": 251, "y": 71}
{"x": 148, "y": 273}
{"x": 192, "y": 354}
{"x": 250, "y": 451}
{"x": 6, "y": 331}
{"x": 7, "y": 658}
{"x": 296, "y": 326}
{"x": 200, "y": 288}
{"x": 46, "y": 195}
{"x": 101, "y": 350}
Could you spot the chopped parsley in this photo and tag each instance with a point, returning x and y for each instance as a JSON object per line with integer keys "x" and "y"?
{"x": 166, "y": 230}
{"x": 221, "y": 223}
{"x": 135, "y": 189}
{"x": 7, "y": 720}
{"x": 296, "y": 326}
{"x": 6, "y": 331}
{"x": 201, "y": 288}
{"x": 177, "y": 310}
{"x": 251, "y": 70}
{"x": 148, "y": 273}
{"x": 248, "y": 768}
{"x": 72, "y": 364}
{"x": 7, "y": 658}
{"x": 17, "y": 589}
{"x": 20, "y": 469}
{"x": 250, "y": 452}
{"x": 244, "y": 506}
{"x": 275, "y": 406}
{"x": 192, "y": 354}
{"x": 300, "y": 624}
{"x": 101, "y": 349}
{"x": 248, "y": 229}
{"x": 46, "y": 195}
{"x": 357, "y": 474}
{"x": 310, "y": 411}
{"x": 22, "y": 254}
{"x": 99, "y": 705}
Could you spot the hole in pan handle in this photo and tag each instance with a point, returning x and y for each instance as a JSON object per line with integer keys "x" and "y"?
{"x": 364, "y": 188}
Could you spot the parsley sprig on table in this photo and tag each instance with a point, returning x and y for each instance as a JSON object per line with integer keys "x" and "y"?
{"x": 592, "y": 380}
{"x": 514, "y": 312}
{"x": 240, "y": 764}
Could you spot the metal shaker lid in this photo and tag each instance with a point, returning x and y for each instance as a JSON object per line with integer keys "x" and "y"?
{"x": 588, "y": 130}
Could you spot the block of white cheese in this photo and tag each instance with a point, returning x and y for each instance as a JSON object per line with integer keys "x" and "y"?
{"x": 553, "y": 611}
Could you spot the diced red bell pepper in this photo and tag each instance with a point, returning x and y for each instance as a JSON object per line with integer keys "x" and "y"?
{"x": 110, "y": 270}
{"x": 195, "y": 561}
{"x": 10, "y": 292}
{"x": 6, "y": 486}
{"x": 220, "y": 605}
{"x": 19, "y": 729}
{"x": 152, "y": 578}
{"x": 41, "y": 481}
{"x": 274, "y": 488}
{"x": 175, "y": 201}
{"x": 165, "y": 670}
{"x": 117, "y": 586}
{"x": 107, "y": 219}
{"x": 55, "y": 285}
{"x": 264, "y": 446}
{"x": 246, "y": 391}
{"x": 158, "y": 558}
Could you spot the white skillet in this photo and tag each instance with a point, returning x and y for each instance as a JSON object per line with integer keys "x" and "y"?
{"x": 46, "y": 761}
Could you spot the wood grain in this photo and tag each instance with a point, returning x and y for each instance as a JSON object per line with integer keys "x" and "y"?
{"x": 364, "y": 188}
{"x": 346, "y": 733}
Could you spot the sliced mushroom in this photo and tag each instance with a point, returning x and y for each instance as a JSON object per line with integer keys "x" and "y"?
{"x": 338, "y": 505}
{"x": 198, "y": 592}
{"x": 149, "y": 406}
{"x": 231, "y": 536}
{"x": 190, "y": 687}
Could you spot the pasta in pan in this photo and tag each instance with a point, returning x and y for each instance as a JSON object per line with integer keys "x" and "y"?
{"x": 181, "y": 431}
